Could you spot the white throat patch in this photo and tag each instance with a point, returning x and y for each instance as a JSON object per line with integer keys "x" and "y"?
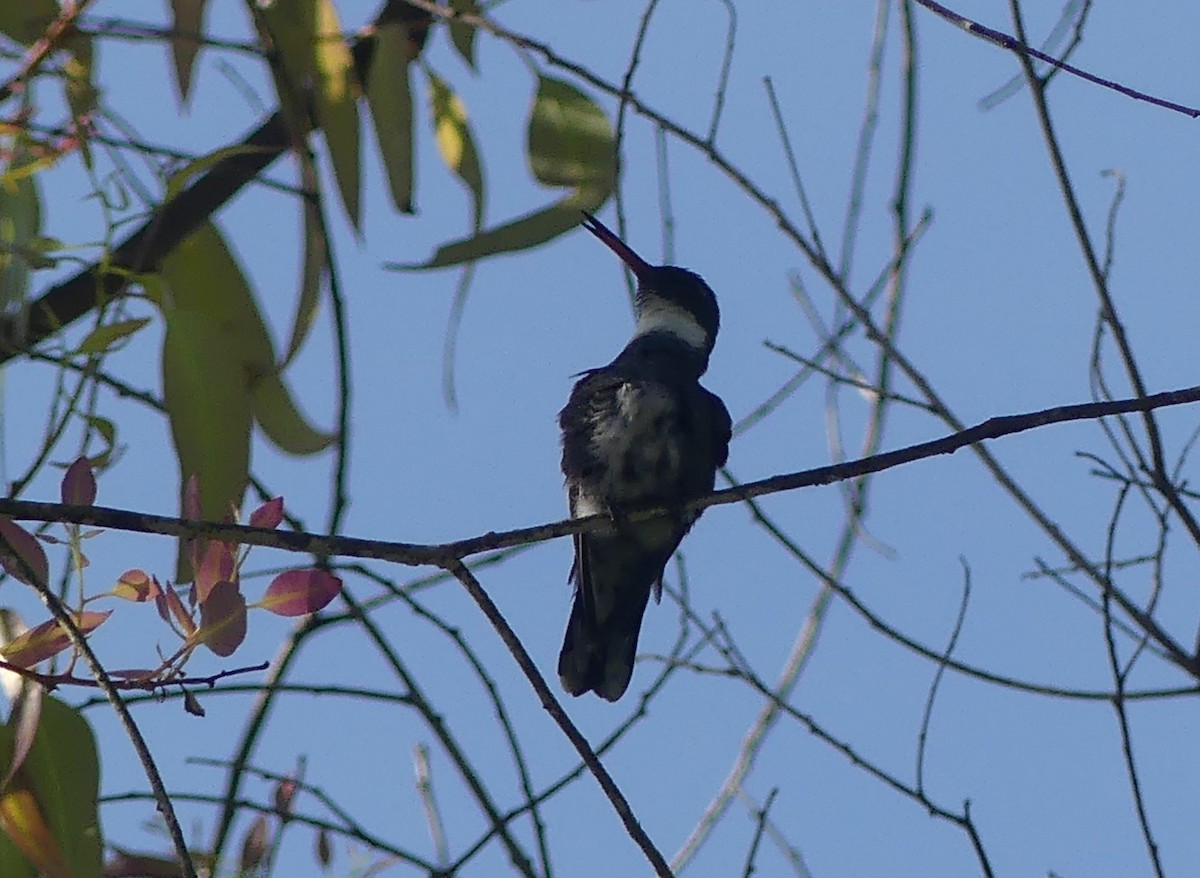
{"x": 657, "y": 315}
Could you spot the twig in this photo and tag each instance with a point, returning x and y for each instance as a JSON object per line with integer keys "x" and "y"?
{"x": 554, "y": 708}
{"x": 1004, "y": 41}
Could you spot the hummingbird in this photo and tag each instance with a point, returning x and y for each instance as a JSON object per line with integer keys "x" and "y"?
{"x": 640, "y": 432}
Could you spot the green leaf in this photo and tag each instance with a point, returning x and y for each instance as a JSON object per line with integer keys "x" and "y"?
{"x": 281, "y": 421}
{"x": 462, "y": 35}
{"x": 81, "y": 91}
{"x": 309, "y": 47}
{"x": 456, "y": 144}
{"x": 103, "y": 338}
{"x": 178, "y": 181}
{"x": 522, "y": 233}
{"x": 218, "y": 371}
{"x": 26, "y": 20}
{"x": 54, "y": 795}
{"x": 206, "y": 392}
{"x": 187, "y": 18}
{"x": 571, "y": 144}
{"x": 337, "y": 107}
{"x": 20, "y": 225}
{"x": 311, "y": 272}
{"x": 389, "y": 96}
{"x": 107, "y": 431}
{"x": 216, "y": 348}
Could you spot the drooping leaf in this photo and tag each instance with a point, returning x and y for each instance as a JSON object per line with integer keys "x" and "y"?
{"x": 462, "y": 35}
{"x": 49, "y": 809}
{"x": 282, "y": 422}
{"x": 49, "y": 638}
{"x": 299, "y": 592}
{"x": 456, "y": 144}
{"x": 223, "y": 619}
{"x": 208, "y": 403}
{"x": 309, "y": 48}
{"x": 20, "y": 224}
{"x": 312, "y": 271}
{"x": 216, "y": 348}
{"x": 187, "y": 23}
{"x": 79, "y": 484}
{"x": 571, "y": 144}
{"x": 522, "y": 233}
{"x": 389, "y": 97}
{"x": 21, "y": 555}
{"x": 337, "y": 108}
{"x": 105, "y": 338}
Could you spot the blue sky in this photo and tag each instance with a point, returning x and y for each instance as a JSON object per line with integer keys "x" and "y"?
{"x": 999, "y": 318}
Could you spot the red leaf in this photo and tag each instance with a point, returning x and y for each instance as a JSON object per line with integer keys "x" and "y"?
{"x": 169, "y": 604}
{"x": 136, "y": 585}
{"x": 269, "y": 514}
{"x": 324, "y": 852}
{"x": 21, "y": 554}
{"x": 285, "y": 792}
{"x": 216, "y": 565}
{"x": 223, "y": 619}
{"x": 79, "y": 484}
{"x": 44, "y": 640}
{"x": 191, "y": 498}
{"x": 192, "y": 705}
{"x": 297, "y": 592}
{"x": 254, "y": 845}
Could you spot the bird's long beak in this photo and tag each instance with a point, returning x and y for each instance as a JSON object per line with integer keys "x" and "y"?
{"x": 637, "y": 264}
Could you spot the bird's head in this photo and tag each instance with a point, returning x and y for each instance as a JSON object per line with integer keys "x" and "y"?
{"x": 670, "y": 301}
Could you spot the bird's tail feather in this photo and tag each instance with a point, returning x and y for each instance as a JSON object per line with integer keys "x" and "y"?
{"x": 602, "y": 634}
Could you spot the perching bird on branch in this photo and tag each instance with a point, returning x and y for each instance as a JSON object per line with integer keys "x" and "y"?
{"x": 640, "y": 432}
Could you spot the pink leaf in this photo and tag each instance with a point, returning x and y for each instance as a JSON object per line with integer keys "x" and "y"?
{"x": 297, "y": 592}
{"x": 79, "y": 484}
{"x": 47, "y": 639}
{"x": 21, "y": 555}
{"x": 269, "y": 514}
{"x": 223, "y": 619}
{"x": 136, "y": 585}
